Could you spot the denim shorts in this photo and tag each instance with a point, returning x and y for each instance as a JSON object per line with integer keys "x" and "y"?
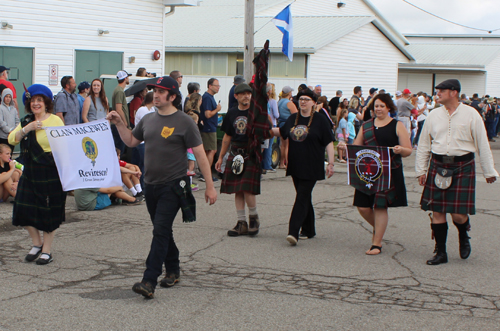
{"x": 102, "y": 201}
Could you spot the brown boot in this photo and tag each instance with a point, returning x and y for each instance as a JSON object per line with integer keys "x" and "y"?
{"x": 240, "y": 229}
{"x": 254, "y": 225}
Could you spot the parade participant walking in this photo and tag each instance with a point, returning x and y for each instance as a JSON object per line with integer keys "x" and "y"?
{"x": 66, "y": 104}
{"x": 96, "y": 105}
{"x": 243, "y": 181}
{"x": 451, "y": 136}
{"x": 388, "y": 132}
{"x": 309, "y": 136}
{"x": 168, "y": 133}
{"x": 40, "y": 201}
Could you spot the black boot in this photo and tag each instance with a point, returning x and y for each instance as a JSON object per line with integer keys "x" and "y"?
{"x": 440, "y": 234}
{"x": 463, "y": 239}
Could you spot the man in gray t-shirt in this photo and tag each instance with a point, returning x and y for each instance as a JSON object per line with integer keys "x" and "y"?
{"x": 404, "y": 109}
{"x": 167, "y": 134}
{"x": 66, "y": 104}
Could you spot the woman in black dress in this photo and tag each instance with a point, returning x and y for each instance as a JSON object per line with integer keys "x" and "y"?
{"x": 389, "y": 133}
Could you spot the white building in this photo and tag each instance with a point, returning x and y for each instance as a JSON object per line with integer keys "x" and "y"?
{"x": 338, "y": 48}
{"x": 40, "y": 34}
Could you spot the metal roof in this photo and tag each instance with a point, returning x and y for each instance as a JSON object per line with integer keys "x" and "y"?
{"x": 474, "y": 55}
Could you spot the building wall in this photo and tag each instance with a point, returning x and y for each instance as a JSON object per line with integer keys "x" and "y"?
{"x": 55, "y": 29}
{"x": 319, "y": 8}
{"x": 493, "y": 78}
{"x": 415, "y": 82}
{"x": 364, "y": 57}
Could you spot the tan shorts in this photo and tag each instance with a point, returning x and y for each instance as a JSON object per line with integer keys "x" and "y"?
{"x": 209, "y": 140}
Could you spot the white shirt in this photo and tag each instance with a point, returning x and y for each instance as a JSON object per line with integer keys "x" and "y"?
{"x": 454, "y": 135}
{"x": 140, "y": 114}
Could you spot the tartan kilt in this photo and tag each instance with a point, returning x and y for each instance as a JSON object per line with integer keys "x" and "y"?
{"x": 459, "y": 198}
{"x": 247, "y": 181}
{"x": 40, "y": 200}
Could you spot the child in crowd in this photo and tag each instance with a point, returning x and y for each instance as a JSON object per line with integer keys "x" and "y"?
{"x": 131, "y": 175}
{"x": 350, "y": 127}
{"x": 192, "y": 108}
{"x": 9, "y": 118}
{"x": 9, "y": 174}
{"x": 342, "y": 134}
{"x": 99, "y": 198}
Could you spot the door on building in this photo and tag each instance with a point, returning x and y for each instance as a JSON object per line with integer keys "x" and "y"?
{"x": 92, "y": 64}
{"x": 20, "y": 62}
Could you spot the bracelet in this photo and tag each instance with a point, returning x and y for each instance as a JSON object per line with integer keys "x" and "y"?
{"x": 24, "y": 132}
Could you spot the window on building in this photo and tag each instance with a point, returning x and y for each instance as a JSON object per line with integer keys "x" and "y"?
{"x": 280, "y": 66}
{"x": 179, "y": 61}
{"x": 210, "y": 64}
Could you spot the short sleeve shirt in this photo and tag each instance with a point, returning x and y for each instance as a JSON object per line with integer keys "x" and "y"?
{"x": 235, "y": 124}
{"x": 86, "y": 199}
{"x": 120, "y": 98}
{"x": 166, "y": 140}
{"x": 68, "y": 104}
{"x": 404, "y": 107}
{"x": 306, "y": 151}
{"x": 208, "y": 103}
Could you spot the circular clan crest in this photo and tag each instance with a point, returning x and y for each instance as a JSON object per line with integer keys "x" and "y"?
{"x": 299, "y": 133}
{"x": 90, "y": 149}
{"x": 368, "y": 166}
{"x": 240, "y": 124}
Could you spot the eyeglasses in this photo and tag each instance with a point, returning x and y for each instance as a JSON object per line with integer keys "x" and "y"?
{"x": 181, "y": 76}
{"x": 216, "y": 85}
{"x": 305, "y": 99}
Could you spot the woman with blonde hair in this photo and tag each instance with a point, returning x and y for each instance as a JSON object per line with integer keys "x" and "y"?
{"x": 272, "y": 111}
{"x": 192, "y": 108}
{"x": 286, "y": 108}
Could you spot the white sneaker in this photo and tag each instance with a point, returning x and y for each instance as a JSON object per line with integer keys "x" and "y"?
{"x": 292, "y": 240}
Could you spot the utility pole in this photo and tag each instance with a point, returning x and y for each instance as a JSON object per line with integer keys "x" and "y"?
{"x": 248, "y": 54}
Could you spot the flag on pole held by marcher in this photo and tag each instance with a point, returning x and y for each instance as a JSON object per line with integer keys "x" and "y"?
{"x": 369, "y": 168}
{"x": 85, "y": 155}
{"x": 283, "y": 22}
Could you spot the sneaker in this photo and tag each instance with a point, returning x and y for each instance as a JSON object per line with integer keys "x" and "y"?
{"x": 145, "y": 289}
{"x": 240, "y": 229}
{"x": 169, "y": 280}
{"x": 215, "y": 179}
{"x": 45, "y": 258}
{"x": 253, "y": 225}
{"x": 292, "y": 240}
{"x": 303, "y": 236}
{"x": 33, "y": 254}
{"x": 194, "y": 187}
{"x": 133, "y": 203}
{"x": 191, "y": 173}
{"x": 201, "y": 178}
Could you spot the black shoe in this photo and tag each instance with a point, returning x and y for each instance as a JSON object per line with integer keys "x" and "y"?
{"x": 139, "y": 195}
{"x": 33, "y": 257}
{"x": 132, "y": 203}
{"x": 145, "y": 289}
{"x": 215, "y": 179}
{"x": 45, "y": 258}
{"x": 240, "y": 229}
{"x": 464, "y": 244}
{"x": 253, "y": 225}
{"x": 440, "y": 257}
{"x": 201, "y": 178}
{"x": 169, "y": 280}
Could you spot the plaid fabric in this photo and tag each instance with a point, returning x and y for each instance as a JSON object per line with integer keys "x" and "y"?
{"x": 361, "y": 177}
{"x": 258, "y": 125}
{"x": 248, "y": 180}
{"x": 459, "y": 198}
{"x": 188, "y": 203}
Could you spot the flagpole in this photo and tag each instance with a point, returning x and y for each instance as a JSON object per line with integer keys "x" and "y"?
{"x": 248, "y": 53}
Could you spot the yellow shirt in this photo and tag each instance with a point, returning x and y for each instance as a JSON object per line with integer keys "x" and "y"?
{"x": 41, "y": 136}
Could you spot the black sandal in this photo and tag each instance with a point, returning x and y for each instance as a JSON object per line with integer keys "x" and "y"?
{"x": 375, "y": 247}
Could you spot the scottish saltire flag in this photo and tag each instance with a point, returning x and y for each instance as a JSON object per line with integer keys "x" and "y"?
{"x": 283, "y": 22}
{"x": 369, "y": 169}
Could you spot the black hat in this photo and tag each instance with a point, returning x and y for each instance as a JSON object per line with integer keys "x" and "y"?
{"x": 243, "y": 87}
{"x": 2, "y": 69}
{"x": 83, "y": 85}
{"x": 166, "y": 83}
{"x": 302, "y": 87}
{"x": 449, "y": 84}
{"x": 308, "y": 93}
{"x": 373, "y": 89}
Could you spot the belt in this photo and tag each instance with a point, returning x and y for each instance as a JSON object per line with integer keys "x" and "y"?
{"x": 453, "y": 159}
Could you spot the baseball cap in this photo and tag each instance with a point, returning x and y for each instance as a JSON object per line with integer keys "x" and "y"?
{"x": 122, "y": 74}
{"x": 406, "y": 91}
{"x": 83, "y": 85}
{"x": 287, "y": 89}
{"x": 2, "y": 69}
{"x": 238, "y": 79}
{"x": 243, "y": 87}
{"x": 166, "y": 83}
{"x": 449, "y": 84}
{"x": 373, "y": 89}
{"x": 399, "y": 93}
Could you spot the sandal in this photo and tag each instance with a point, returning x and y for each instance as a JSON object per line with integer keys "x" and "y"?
{"x": 373, "y": 248}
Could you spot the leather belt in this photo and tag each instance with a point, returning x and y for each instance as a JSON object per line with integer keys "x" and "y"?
{"x": 453, "y": 159}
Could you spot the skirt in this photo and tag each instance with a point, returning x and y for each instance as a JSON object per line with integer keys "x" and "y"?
{"x": 247, "y": 181}
{"x": 40, "y": 200}
{"x": 459, "y": 198}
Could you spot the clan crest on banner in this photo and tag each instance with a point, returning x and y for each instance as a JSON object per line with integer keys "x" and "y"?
{"x": 369, "y": 168}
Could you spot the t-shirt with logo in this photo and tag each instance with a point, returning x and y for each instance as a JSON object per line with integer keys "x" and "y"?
{"x": 208, "y": 103}
{"x": 306, "y": 151}
{"x": 166, "y": 140}
{"x": 235, "y": 124}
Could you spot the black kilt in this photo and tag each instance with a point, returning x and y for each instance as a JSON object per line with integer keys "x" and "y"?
{"x": 40, "y": 200}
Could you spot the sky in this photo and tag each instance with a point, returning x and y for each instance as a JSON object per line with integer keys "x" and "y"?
{"x": 483, "y": 14}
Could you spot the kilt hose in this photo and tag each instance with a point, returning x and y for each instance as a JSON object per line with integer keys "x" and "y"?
{"x": 40, "y": 200}
{"x": 460, "y": 197}
{"x": 248, "y": 180}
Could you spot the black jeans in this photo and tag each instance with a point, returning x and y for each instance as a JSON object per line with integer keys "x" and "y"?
{"x": 419, "y": 131}
{"x": 163, "y": 205}
{"x": 303, "y": 211}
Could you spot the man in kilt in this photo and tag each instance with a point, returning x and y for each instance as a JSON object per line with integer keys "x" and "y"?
{"x": 451, "y": 136}
{"x": 245, "y": 184}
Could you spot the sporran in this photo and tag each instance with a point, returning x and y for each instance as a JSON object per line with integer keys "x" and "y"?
{"x": 238, "y": 164}
{"x": 444, "y": 178}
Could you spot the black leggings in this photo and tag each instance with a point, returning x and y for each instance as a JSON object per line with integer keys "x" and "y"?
{"x": 303, "y": 211}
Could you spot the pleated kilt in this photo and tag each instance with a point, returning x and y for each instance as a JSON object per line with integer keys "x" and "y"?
{"x": 460, "y": 197}
{"x": 40, "y": 200}
{"x": 248, "y": 180}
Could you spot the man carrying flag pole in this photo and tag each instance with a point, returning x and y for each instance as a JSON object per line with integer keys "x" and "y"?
{"x": 283, "y": 22}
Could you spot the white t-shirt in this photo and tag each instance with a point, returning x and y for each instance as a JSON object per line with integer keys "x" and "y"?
{"x": 140, "y": 114}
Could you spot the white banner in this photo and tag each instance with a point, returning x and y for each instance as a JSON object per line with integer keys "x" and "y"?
{"x": 85, "y": 155}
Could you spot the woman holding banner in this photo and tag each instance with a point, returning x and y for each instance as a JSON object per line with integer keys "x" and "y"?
{"x": 39, "y": 205}
{"x": 309, "y": 136}
{"x": 387, "y": 132}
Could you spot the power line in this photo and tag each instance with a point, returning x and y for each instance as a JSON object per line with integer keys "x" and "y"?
{"x": 444, "y": 19}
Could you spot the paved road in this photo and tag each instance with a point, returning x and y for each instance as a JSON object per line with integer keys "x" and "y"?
{"x": 260, "y": 283}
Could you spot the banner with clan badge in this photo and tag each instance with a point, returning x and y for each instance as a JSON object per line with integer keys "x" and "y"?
{"x": 369, "y": 168}
{"x": 85, "y": 155}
